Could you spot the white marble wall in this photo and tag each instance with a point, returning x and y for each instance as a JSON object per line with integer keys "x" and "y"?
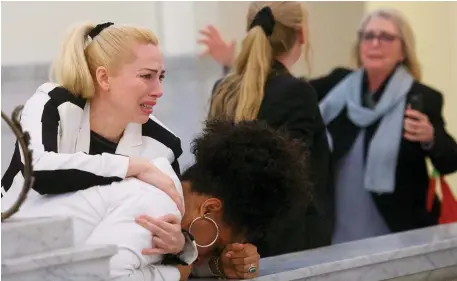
{"x": 31, "y": 31}
{"x": 44, "y": 249}
{"x": 42, "y": 24}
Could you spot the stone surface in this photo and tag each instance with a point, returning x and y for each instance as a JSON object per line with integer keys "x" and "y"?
{"x": 424, "y": 254}
{"x": 22, "y": 237}
{"x": 442, "y": 274}
{"x": 43, "y": 249}
{"x": 53, "y": 260}
{"x": 94, "y": 269}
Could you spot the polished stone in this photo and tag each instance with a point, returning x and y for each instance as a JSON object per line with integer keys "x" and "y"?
{"x": 21, "y": 237}
{"x": 87, "y": 263}
{"x": 43, "y": 249}
{"x": 424, "y": 254}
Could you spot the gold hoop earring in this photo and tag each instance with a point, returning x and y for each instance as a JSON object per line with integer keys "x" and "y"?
{"x": 204, "y": 217}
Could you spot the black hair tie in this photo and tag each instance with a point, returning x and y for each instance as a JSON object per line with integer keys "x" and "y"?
{"x": 99, "y": 28}
{"x": 265, "y": 19}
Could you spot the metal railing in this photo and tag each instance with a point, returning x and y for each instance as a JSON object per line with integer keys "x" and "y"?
{"x": 23, "y": 139}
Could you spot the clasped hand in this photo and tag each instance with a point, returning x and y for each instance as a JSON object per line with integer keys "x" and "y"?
{"x": 237, "y": 259}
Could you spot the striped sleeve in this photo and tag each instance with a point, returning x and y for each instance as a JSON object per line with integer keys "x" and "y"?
{"x": 154, "y": 129}
{"x": 56, "y": 172}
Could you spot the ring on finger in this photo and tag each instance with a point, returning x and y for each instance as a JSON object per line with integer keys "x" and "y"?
{"x": 252, "y": 269}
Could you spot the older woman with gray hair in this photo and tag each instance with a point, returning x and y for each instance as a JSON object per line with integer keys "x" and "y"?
{"x": 383, "y": 123}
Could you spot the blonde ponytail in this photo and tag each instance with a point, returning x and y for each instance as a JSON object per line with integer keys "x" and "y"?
{"x": 253, "y": 64}
{"x": 272, "y": 31}
{"x": 70, "y": 69}
{"x": 240, "y": 95}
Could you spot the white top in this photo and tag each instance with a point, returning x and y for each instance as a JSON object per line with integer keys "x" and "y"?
{"x": 106, "y": 215}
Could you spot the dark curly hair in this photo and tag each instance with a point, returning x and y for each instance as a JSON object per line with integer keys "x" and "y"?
{"x": 257, "y": 172}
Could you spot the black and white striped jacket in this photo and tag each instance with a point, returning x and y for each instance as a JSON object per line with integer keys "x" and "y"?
{"x": 58, "y": 123}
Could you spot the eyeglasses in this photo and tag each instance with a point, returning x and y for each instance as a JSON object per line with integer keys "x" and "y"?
{"x": 383, "y": 37}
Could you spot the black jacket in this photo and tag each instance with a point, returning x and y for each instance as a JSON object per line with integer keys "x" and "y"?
{"x": 405, "y": 209}
{"x": 291, "y": 103}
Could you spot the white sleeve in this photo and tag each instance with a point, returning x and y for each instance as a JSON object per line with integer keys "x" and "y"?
{"x": 118, "y": 227}
{"x": 190, "y": 253}
{"x": 58, "y": 172}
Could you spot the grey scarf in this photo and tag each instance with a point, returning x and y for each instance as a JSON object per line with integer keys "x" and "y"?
{"x": 379, "y": 174}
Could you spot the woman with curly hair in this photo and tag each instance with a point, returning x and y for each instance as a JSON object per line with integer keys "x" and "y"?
{"x": 245, "y": 177}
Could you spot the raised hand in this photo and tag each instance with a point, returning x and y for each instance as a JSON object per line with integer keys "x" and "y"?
{"x": 221, "y": 51}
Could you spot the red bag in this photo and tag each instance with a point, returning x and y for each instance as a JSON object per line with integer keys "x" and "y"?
{"x": 448, "y": 202}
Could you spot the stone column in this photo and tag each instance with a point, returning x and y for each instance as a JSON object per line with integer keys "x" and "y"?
{"x": 176, "y": 27}
{"x": 189, "y": 79}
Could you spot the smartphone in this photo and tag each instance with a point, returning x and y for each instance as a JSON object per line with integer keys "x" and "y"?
{"x": 417, "y": 102}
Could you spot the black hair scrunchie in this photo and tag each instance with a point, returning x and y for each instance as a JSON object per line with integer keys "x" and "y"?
{"x": 99, "y": 28}
{"x": 265, "y": 19}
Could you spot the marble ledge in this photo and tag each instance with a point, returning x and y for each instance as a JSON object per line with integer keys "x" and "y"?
{"x": 87, "y": 270}
{"x": 19, "y": 236}
{"x": 57, "y": 258}
{"x": 412, "y": 255}
{"x": 188, "y": 66}
{"x": 420, "y": 267}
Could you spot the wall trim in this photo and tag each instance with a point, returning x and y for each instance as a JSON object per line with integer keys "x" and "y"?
{"x": 182, "y": 65}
